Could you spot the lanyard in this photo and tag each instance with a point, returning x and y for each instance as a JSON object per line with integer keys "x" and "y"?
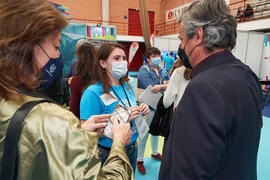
{"x": 120, "y": 98}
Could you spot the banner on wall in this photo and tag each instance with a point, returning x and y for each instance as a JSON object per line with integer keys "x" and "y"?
{"x": 265, "y": 65}
{"x": 101, "y": 32}
{"x": 152, "y": 39}
{"x": 172, "y": 14}
{"x": 132, "y": 51}
{"x": 64, "y": 10}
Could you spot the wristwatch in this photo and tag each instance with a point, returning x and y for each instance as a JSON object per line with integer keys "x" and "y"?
{"x": 162, "y": 87}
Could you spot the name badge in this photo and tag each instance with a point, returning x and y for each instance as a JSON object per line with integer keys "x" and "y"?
{"x": 108, "y": 99}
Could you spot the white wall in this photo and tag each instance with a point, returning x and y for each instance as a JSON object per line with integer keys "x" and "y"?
{"x": 249, "y": 49}
{"x": 254, "y": 51}
{"x": 265, "y": 63}
{"x": 167, "y": 43}
{"x": 254, "y": 25}
{"x": 240, "y": 49}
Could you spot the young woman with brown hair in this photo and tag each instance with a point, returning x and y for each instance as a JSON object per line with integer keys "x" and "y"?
{"x": 52, "y": 143}
{"x": 177, "y": 85}
{"x": 86, "y": 53}
{"x": 109, "y": 88}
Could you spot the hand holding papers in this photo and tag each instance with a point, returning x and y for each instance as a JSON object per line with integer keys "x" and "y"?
{"x": 122, "y": 115}
{"x": 150, "y": 98}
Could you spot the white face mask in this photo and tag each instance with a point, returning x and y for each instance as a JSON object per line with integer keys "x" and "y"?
{"x": 119, "y": 69}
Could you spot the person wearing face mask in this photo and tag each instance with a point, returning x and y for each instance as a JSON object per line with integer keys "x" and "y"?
{"x": 50, "y": 143}
{"x": 151, "y": 74}
{"x": 109, "y": 87}
{"x": 215, "y": 130}
{"x": 86, "y": 53}
{"x": 52, "y": 71}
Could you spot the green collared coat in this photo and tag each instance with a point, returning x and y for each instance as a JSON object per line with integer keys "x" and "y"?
{"x": 53, "y": 146}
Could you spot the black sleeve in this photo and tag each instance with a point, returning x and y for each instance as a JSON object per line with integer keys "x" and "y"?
{"x": 67, "y": 75}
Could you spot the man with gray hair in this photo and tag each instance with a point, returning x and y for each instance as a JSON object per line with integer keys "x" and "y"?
{"x": 215, "y": 131}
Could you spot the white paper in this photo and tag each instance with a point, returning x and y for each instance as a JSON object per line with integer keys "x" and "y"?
{"x": 122, "y": 115}
{"x": 142, "y": 126}
{"x": 150, "y": 98}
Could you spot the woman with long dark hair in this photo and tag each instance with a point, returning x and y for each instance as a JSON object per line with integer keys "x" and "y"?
{"x": 86, "y": 53}
{"x": 109, "y": 88}
{"x": 52, "y": 143}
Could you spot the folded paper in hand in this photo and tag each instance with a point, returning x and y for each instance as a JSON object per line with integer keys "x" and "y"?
{"x": 142, "y": 126}
{"x": 150, "y": 98}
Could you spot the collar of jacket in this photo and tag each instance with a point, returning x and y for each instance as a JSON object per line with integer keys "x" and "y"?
{"x": 213, "y": 60}
{"x": 35, "y": 93}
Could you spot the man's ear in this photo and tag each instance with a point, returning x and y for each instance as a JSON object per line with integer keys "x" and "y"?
{"x": 200, "y": 34}
{"x": 148, "y": 60}
{"x": 102, "y": 63}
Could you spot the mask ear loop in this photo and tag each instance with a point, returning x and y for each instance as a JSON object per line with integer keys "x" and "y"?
{"x": 192, "y": 49}
{"x": 43, "y": 50}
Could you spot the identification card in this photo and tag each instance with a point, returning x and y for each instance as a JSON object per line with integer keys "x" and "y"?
{"x": 108, "y": 99}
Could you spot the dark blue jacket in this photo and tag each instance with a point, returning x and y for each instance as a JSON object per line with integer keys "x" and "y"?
{"x": 216, "y": 127}
{"x": 71, "y": 72}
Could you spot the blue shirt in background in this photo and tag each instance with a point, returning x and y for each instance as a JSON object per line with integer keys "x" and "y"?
{"x": 169, "y": 62}
{"x": 93, "y": 102}
{"x": 146, "y": 78}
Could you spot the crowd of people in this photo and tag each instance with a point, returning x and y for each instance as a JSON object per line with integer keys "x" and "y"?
{"x": 216, "y": 117}
{"x": 241, "y": 14}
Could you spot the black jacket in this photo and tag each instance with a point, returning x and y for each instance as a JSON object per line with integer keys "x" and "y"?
{"x": 160, "y": 125}
{"x": 216, "y": 132}
{"x": 71, "y": 72}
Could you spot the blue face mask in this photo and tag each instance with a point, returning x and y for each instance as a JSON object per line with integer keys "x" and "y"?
{"x": 156, "y": 61}
{"x": 50, "y": 71}
{"x": 119, "y": 69}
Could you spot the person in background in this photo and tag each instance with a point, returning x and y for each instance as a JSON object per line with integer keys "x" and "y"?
{"x": 175, "y": 65}
{"x": 239, "y": 13}
{"x": 162, "y": 63}
{"x": 52, "y": 142}
{"x": 158, "y": 78}
{"x": 86, "y": 53}
{"x": 215, "y": 131}
{"x": 177, "y": 85}
{"x": 66, "y": 80}
{"x": 109, "y": 87}
{"x": 144, "y": 60}
{"x": 249, "y": 11}
{"x": 169, "y": 60}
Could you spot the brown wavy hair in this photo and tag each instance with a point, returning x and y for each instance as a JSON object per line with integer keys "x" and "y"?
{"x": 24, "y": 24}
{"x": 187, "y": 74}
{"x": 99, "y": 74}
{"x": 86, "y": 54}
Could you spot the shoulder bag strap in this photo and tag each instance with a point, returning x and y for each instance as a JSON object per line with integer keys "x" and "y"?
{"x": 12, "y": 137}
{"x": 138, "y": 74}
